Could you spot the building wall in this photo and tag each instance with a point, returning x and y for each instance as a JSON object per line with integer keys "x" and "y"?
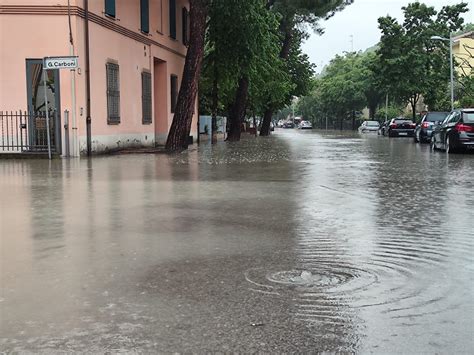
{"x": 27, "y": 33}
{"x": 463, "y": 51}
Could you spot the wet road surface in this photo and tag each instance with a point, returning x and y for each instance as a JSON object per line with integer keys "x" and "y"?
{"x": 302, "y": 242}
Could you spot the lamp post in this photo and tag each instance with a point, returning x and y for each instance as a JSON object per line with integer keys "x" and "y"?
{"x": 451, "y": 64}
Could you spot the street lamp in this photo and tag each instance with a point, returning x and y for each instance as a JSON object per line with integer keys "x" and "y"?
{"x": 451, "y": 66}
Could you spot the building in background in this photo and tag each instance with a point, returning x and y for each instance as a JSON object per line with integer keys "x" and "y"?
{"x": 137, "y": 51}
{"x": 463, "y": 51}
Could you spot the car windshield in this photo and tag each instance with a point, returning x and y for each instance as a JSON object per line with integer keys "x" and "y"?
{"x": 468, "y": 117}
{"x": 372, "y": 123}
{"x": 436, "y": 116}
{"x": 403, "y": 121}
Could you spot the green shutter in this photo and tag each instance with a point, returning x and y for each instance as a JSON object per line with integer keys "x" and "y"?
{"x": 113, "y": 93}
{"x": 146, "y": 98}
{"x": 110, "y": 7}
{"x": 173, "y": 19}
{"x": 144, "y": 16}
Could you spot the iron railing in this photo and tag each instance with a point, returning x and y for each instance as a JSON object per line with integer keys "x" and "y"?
{"x": 23, "y": 131}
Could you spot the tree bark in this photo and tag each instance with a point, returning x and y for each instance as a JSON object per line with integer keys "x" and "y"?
{"x": 267, "y": 118}
{"x": 413, "y": 102}
{"x": 215, "y": 103}
{"x": 372, "y": 111}
{"x": 237, "y": 111}
{"x": 182, "y": 120}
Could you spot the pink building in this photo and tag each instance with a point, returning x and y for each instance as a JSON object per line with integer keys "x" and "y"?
{"x": 136, "y": 56}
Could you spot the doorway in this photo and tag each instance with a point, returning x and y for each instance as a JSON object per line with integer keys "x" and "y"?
{"x": 160, "y": 95}
{"x": 36, "y": 126}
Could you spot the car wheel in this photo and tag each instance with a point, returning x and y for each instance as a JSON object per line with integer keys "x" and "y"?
{"x": 449, "y": 148}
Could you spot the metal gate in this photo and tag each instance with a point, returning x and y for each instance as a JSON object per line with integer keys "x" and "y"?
{"x": 23, "y": 131}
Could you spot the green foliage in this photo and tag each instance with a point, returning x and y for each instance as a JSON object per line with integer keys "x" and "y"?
{"x": 349, "y": 84}
{"x": 294, "y": 16}
{"x": 390, "y": 112}
{"x": 411, "y": 63}
{"x": 242, "y": 41}
{"x": 466, "y": 92}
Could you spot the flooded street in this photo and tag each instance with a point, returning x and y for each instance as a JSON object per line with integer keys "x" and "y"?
{"x": 301, "y": 242}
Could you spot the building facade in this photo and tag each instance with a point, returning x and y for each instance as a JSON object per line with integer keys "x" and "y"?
{"x": 136, "y": 53}
{"x": 463, "y": 52}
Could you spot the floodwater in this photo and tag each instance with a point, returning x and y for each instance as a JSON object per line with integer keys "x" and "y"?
{"x": 301, "y": 242}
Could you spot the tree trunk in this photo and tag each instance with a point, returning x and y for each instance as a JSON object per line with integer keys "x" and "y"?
{"x": 184, "y": 110}
{"x": 372, "y": 111}
{"x": 413, "y": 102}
{"x": 215, "y": 103}
{"x": 267, "y": 119}
{"x": 237, "y": 111}
{"x": 353, "y": 120}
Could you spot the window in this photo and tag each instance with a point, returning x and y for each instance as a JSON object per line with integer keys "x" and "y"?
{"x": 456, "y": 117}
{"x": 468, "y": 117}
{"x": 144, "y": 16}
{"x": 110, "y": 7}
{"x": 113, "y": 93}
{"x": 185, "y": 20}
{"x": 146, "y": 98}
{"x": 173, "y": 19}
{"x": 174, "y": 92}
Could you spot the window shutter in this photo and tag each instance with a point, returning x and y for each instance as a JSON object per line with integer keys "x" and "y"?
{"x": 185, "y": 25}
{"x": 174, "y": 92}
{"x": 110, "y": 7}
{"x": 172, "y": 4}
{"x": 113, "y": 93}
{"x": 146, "y": 98}
{"x": 144, "y": 16}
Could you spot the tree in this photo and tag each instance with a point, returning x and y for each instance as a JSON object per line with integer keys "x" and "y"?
{"x": 373, "y": 90}
{"x": 411, "y": 64}
{"x": 242, "y": 59}
{"x": 182, "y": 120}
{"x": 294, "y": 15}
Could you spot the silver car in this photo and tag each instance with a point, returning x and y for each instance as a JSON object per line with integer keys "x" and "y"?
{"x": 369, "y": 126}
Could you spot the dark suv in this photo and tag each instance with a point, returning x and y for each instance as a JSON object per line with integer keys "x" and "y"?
{"x": 401, "y": 127}
{"x": 424, "y": 130}
{"x": 456, "y": 133}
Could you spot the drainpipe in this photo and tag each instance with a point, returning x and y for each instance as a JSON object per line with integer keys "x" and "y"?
{"x": 73, "y": 87}
{"x": 88, "y": 79}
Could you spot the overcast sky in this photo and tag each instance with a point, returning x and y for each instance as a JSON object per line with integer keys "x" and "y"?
{"x": 360, "y": 21}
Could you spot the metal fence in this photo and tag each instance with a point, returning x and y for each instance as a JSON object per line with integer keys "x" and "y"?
{"x": 23, "y": 131}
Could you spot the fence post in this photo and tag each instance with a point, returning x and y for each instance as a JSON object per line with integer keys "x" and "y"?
{"x": 66, "y": 133}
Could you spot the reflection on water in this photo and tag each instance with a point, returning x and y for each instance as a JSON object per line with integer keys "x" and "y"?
{"x": 300, "y": 242}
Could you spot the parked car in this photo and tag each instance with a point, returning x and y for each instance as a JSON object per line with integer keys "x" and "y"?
{"x": 288, "y": 124}
{"x": 456, "y": 132}
{"x": 383, "y": 127}
{"x": 424, "y": 130}
{"x": 401, "y": 127}
{"x": 369, "y": 126}
{"x": 305, "y": 125}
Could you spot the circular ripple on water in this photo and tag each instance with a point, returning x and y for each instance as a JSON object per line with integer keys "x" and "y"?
{"x": 328, "y": 279}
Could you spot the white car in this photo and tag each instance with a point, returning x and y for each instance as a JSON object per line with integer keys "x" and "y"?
{"x": 305, "y": 125}
{"x": 369, "y": 126}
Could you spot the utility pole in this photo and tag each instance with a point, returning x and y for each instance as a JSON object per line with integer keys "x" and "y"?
{"x": 88, "y": 79}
